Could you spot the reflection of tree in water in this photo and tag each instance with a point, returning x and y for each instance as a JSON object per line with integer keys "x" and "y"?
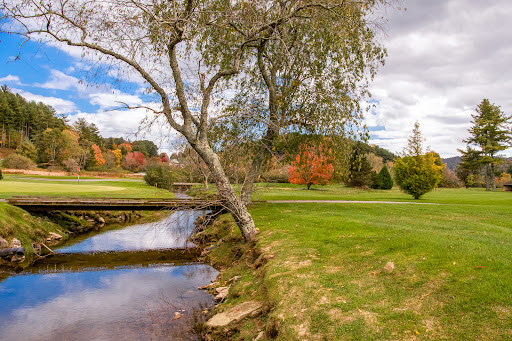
{"x": 199, "y": 271}
{"x": 178, "y": 228}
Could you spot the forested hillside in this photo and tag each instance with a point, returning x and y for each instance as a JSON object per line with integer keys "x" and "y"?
{"x": 21, "y": 119}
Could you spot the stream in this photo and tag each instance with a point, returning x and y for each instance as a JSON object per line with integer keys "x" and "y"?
{"x": 124, "y": 284}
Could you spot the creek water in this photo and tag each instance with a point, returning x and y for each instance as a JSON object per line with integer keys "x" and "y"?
{"x": 125, "y": 284}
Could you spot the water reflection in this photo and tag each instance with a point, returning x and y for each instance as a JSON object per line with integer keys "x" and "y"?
{"x": 171, "y": 232}
{"x": 120, "y": 285}
{"x": 106, "y": 305}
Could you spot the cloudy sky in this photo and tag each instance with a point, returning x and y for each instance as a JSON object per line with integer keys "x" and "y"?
{"x": 444, "y": 57}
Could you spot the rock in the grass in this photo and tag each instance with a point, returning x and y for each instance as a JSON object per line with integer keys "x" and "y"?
{"x": 389, "y": 267}
{"x": 100, "y": 220}
{"x": 222, "y": 293}
{"x": 14, "y": 243}
{"x": 3, "y": 243}
{"x": 209, "y": 286}
{"x": 177, "y": 315}
{"x": 233, "y": 315}
{"x": 54, "y": 237}
{"x": 234, "y": 279}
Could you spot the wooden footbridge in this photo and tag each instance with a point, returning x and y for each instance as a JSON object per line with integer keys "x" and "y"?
{"x": 112, "y": 204}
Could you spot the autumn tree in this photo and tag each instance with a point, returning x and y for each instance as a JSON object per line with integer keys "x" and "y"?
{"x": 417, "y": 173}
{"x": 119, "y": 157}
{"x": 157, "y": 40}
{"x": 490, "y": 134}
{"x": 98, "y": 156}
{"x": 134, "y": 161}
{"x": 312, "y": 166}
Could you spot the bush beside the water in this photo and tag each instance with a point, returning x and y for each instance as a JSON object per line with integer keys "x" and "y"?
{"x": 163, "y": 176}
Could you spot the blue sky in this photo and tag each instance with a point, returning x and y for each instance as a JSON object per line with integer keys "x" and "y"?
{"x": 444, "y": 57}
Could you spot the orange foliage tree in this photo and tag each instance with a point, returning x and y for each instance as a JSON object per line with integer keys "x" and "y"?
{"x": 98, "y": 157}
{"x": 312, "y": 166}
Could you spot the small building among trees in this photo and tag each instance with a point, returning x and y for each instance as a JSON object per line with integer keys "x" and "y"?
{"x": 507, "y": 186}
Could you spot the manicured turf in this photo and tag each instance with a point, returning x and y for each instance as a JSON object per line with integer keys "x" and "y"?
{"x": 119, "y": 188}
{"x": 339, "y": 192}
{"x": 326, "y": 280}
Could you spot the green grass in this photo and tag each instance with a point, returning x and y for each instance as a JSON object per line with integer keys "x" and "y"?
{"x": 13, "y": 185}
{"x": 325, "y": 279}
{"x": 339, "y": 192}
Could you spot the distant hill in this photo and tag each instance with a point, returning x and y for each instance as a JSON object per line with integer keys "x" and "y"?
{"x": 452, "y": 162}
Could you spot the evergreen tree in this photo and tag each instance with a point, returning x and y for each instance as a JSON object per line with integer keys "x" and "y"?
{"x": 360, "y": 170}
{"x": 384, "y": 178}
{"x": 491, "y": 134}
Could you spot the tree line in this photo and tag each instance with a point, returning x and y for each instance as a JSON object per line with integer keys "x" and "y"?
{"x": 21, "y": 119}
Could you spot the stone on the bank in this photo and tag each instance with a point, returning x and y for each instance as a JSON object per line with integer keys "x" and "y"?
{"x": 177, "y": 315}
{"x": 54, "y": 237}
{"x": 101, "y": 220}
{"x": 222, "y": 293}
{"x": 3, "y": 243}
{"x": 209, "y": 286}
{"x": 389, "y": 267}
{"x": 235, "y": 314}
{"x": 234, "y": 279}
{"x": 14, "y": 243}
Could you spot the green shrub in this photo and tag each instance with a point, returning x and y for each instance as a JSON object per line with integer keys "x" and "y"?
{"x": 417, "y": 175}
{"x": 17, "y": 161}
{"x": 385, "y": 179}
{"x": 163, "y": 176}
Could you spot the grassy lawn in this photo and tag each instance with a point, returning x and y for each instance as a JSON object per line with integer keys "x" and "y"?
{"x": 120, "y": 188}
{"x": 325, "y": 277}
{"x": 266, "y": 191}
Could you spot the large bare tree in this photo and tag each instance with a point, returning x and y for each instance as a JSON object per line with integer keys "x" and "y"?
{"x": 213, "y": 40}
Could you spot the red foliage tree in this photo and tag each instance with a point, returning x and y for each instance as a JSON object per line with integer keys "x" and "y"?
{"x": 312, "y": 166}
{"x": 164, "y": 157}
{"x": 134, "y": 161}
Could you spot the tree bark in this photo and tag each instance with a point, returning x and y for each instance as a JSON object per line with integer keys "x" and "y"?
{"x": 487, "y": 187}
{"x": 493, "y": 178}
{"x": 262, "y": 151}
{"x": 230, "y": 200}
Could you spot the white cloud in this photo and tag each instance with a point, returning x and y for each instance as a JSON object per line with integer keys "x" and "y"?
{"x": 444, "y": 58}
{"x": 60, "y": 81}
{"x": 10, "y": 79}
{"x": 114, "y": 99}
{"x": 60, "y": 105}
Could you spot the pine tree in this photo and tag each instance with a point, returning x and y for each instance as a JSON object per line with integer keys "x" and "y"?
{"x": 360, "y": 169}
{"x": 385, "y": 179}
{"x": 491, "y": 134}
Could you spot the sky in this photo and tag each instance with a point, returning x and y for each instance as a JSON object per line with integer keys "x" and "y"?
{"x": 444, "y": 58}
